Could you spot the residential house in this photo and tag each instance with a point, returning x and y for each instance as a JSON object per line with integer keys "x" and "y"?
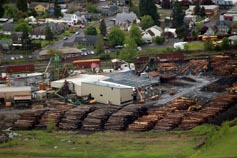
{"x": 71, "y": 19}
{"x": 170, "y": 32}
{"x": 5, "y": 45}
{"x": 151, "y": 33}
{"x": 38, "y": 33}
{"x": 230, "y": 15}
{"x": 8, "y": 28}
{"x": 124, "y": 20}
{"x": 223, "y": 26}
{"x": 109, "y": 10}
{"x": 225, "y": 3}
{"x": 39, "y": 6}
{"x": 210, "y": 10}
{"x": 88, "y": 40}
{"x": 210, "y": 31}
{"x": 17, "y": 39}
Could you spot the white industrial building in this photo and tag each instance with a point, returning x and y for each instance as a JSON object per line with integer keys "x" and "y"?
{"x": 108, "y": 92}
{"x": 77, "y": 82}
{"x": 8, "y": 93}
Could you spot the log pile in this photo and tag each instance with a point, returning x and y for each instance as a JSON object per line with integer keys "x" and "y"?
{"x": 223, "y": 65}
{"x": 233, "y": 89}
{"x": 122, "y": 118}
{"x": 29, "y": 119}
{"x": 164, "y": 118}
{"x": 218, "y": 105}
{"x": 167, "y": 67}
{"x": 73, "y": 118}
{"x": 195, "y": 66}
{"x": 53, "y": 116}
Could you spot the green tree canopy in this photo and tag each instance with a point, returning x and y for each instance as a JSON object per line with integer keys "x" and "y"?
{"x": 146, "y": 22}
{"x": 148, "y": 7}
{"x": 57, "y": 9}
{"x": 22, "y": 26}
{"x": 135, "y": 33}
{"x": 100, "y": 45}
{"x": 116, "y": 37}
{"x": 129, "y": 52}
{"x": 22, "y": 5}
{"x": 225, "y": 43}
{"x": 91, "y": 30}
{"x": 103, "y": 29}
{"x": 49, "y": 34}
{"x": 1, "y": 7}
{"x": 91, "y": 8}
{"x": 10, "y": 10}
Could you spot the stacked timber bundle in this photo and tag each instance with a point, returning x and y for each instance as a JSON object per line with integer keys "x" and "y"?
{"x": 218, "y": 105}
{"x": 170, "y": 121}
{"x": 195, "y": 66}
{"x": 167, "y": 77}
{"x": 147, "y": 122}
{"x": 73, "y": 118}
{"x": 28, "y": 120}
{"x": 224, "y": 65}
{"x": 121, "y": 119}
{"x": 53, "y": 116}
{"x": 233, "y": 89}
{"x": 167, "y": 67}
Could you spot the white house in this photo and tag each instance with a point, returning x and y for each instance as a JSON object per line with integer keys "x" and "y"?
{"x": 71, "y": 19}
{"x": 149, "y": 34}
{"x": 171, "y": 31}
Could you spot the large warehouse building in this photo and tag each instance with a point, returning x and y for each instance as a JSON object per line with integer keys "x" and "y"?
{"x": 108, "y": 92}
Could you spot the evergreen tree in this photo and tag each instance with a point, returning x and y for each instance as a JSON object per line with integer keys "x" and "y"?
{"x": 49, "y": 34}
{"x": 202, "y": 12}
{"x": 57, "y": 9}
{"x": 103, "y": 29}
{"x": 100, "y": 45}
{"x": 135, "y": 34}
{"x": 1, "y": 8}
{"x": 197, "y": 8}
{"x": 10, "y": 10}
{"x": 21, "y": 5}
{"x": 148, "y": 7}
{"x": 225, "y": 43}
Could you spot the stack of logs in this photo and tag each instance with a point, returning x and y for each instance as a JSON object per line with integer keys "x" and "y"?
{"x": 96, "y": 119}
{"x": 29, "y": 119}
{"x": 164, "y": 118}
{"x": 195, "y": 66}
{"x": 165, "y": 67}
{"x": 224, "y": 65}
{"x": 121, "y": 119}
{"x": 53, "y": 116}
{"x": 73, "y": 118}
{"x": 218, "y": 105}
{"x": 233, "y": 89}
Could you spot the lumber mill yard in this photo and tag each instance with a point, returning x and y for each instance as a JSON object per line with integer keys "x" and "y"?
{"x": 160, "y": 92}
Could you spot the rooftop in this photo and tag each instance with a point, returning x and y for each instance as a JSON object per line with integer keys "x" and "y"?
{"x": 14, "y": 89}
{"x": 109, "y": 84}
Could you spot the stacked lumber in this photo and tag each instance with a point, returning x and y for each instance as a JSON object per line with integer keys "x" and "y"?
{"x": 164, "y": 118}
{"x": 218, "y": 105}
{"x": 53, "y": 116}
{"x": 125, "y": 116}
{"x": 73, "y": 118}
{"x": 164, "y": 67}
{"x": 195, "y": 66}
{"x": 167, "y": 77}
{"x": 96, "y": 119}
{"x": 29, "y": 119}
{"x": 223, "y": 65}
{"x": 233, "y": 89}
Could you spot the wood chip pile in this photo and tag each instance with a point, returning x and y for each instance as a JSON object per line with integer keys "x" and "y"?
{"x": 218, "y": 105}
{"x": 73, "y": 118}
{"x": 195, "y": 66}
{"x": 28, "y": 120}
{"x": 53, "y": 116}
{"x": 121, "y": 119}
{"x": 224, "y": 65}
{"x": 164, "y": 67}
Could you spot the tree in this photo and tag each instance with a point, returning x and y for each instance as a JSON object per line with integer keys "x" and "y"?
{"x": 21, "y": 5}
{"x": 146, "y": 22}
{"x": 148, "y": 7}
{"x": 202, "y": 12}
{"x": 100, "y": 45}
{"x": 91, "y": 8}
{"x": 1, "y": 7}
{"x": 103, "y": 29}
{"x": 208, "y": 45}
{"x": 135, "y": 33}
{"x": 91, "y": 30}
{"x": 49, "y": 34}
{"x": 57, "y": 9}
{"x": 197, "y": 8}
{"x": 225, "y": 43}
{"x": 166, "y": 4}
{"x": 178, "y": 19}
{"x": 23, "y": 27}
{"x": 129, "y": 52}
{"x": 10, "y": 10}
{"x": 116, "y": 37}
{"x": 159, "y": 40}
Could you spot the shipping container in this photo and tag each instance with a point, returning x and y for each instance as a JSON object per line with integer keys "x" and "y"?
{"x": 86, "y": 63}
{"x": 20, "y": 68}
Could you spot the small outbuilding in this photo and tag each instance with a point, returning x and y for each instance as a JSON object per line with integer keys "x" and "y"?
{"x": 108, "y": 92}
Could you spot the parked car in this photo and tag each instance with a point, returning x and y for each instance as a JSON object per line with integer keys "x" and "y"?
{"x": 206, "y": 20}
{"x": 12, "y": 58}
{"x": 139, "y": 48}
{"x": 77, "y": 33}
{"x": 65, "y": 38}
{"x": 30, "y": 57}
{"x": 21, "y": 57}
